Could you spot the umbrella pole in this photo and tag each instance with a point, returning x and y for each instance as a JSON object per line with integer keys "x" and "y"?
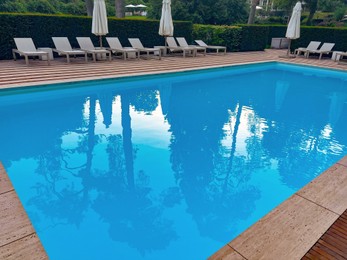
{"x": 100, "y": 40}
{"x": 288, "y": 51}
{"x": 165, "y": 52}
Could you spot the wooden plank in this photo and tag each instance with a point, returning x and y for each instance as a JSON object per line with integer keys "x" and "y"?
{"x": 341, "y": 225}
{"x": 226, "y": 253}
{"x": 316, "y": 255}
{"x": 337, "y": 244}
{"x": 329, "y": 189}
{"x": 28, "y": 248}
{"x": 337, "y": 233}
{"x": 332, "y": 249}
{"x": 333, "y": 243}
{"x": 5, "y": 183}
{"x": 302, "y": 221}
{"x": 339, "y": 230}
{"x": 326, "y": 252}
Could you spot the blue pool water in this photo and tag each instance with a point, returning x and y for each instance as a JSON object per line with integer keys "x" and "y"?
{"x": 171, "y": 166}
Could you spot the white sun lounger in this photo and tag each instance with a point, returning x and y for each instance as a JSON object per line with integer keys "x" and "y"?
{"x": 137, "y": 44}
{"x": 183, "y": 43}
{"x": 116, "y": 47}
{"x": 63, "y": 47}
{"x": 173, "y": 47}
{"x": 86, "y": 44}
{"x": 313, "y": 45}
{"x": 26, "y": 48}
{"x": 212, "y": 47}
{"x": 325, "y": 49}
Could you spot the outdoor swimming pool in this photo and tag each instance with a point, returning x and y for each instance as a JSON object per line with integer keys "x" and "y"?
{"x": 171, "y": 166}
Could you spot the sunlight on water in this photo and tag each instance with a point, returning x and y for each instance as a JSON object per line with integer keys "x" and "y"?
{"x": 169, "y": 167}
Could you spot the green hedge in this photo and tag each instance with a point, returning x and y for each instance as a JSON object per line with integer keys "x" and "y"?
{"x": 229, "y": 36}
{"x": 322, "y": 34}
{"x": 337, "y": 35}
{"x": 276, "y": 31}
{"x": 42, "y": 27}
{"x": 254, "y": 37}
{"x": 236, "y": 38}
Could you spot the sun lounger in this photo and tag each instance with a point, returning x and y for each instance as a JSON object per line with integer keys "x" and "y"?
{"x": 340, "y": 59}
{"x": 137, "y": 44}
{"x": 313, "y": 45}
{"x": 116, "y": 47}
{"x": 26, "y": 48}
{"x": 183, "y": 43}
{"x": 212, "y": 47}
{"x": 86, "y": 44}
{"x": 173, "y": 47}
{"x": 63, "y": 47}
{"x": 325, "y": 49}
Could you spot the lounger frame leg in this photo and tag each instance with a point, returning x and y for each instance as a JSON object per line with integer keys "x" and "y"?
{"x": 26, "y": 60}
{"x": 14, "y": 55}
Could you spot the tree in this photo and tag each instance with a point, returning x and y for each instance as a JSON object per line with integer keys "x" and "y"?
{"x": 330, "y": 5}
{"x": 252, "y": 12}
{"x": 312, "y": 6}
{"x": 120, "y": 12}
{"x": 204, "y": 11}
{"x": 89, "y": 6}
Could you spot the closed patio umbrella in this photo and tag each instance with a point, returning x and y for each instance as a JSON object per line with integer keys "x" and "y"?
{"x": 293, "y": 28}
{"x": 166, "y": 25}
{"x": 99, "y": 23}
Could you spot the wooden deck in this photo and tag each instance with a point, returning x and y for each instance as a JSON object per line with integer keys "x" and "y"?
{"x": 14, "y": 74}
{"x": 287, "y": 232}
{"x": 333, "y": 244}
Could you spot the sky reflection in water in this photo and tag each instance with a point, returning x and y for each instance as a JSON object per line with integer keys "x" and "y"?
{"x": 169, "y": 167}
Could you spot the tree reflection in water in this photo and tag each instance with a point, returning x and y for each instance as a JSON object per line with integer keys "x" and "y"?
{"x": 220, "y": 140}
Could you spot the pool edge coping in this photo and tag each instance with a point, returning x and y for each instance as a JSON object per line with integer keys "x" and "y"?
{"x": 24, "y": 242}
{"x": 239, "y": 247}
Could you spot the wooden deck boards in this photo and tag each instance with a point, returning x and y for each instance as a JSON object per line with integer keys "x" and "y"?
{"x": 323, "y": 198}
{"x": 333, "y": 244}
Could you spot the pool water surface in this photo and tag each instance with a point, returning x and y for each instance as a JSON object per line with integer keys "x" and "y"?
{"x": 171, "y": 166}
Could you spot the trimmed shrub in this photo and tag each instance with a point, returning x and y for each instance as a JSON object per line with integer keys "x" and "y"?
{"x": 254, "y": 37}
{"x": 322, "y": 34}
{"x": 42, "y": 27}
{"x": 276, "y": 31}
{"x": 228, "y": 36}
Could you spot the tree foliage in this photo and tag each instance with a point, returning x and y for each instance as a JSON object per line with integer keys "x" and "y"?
{"x": 75, "y": 7}
{"x": 330, "y": 5}
{"x": 204, "y": 11}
